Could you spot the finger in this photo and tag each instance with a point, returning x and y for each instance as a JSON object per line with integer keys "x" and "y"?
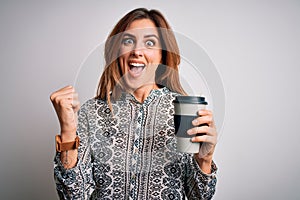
{"x": 62, "y": 99}
{"x": 205, "y": 138}
{"x": 62, "y": 91}
{"x": 202, "y": 129}
{"x": 69, "y": 95}
{"x": 66, "y": 87}
{"x": 205, "y": 112}
{"x": 198, "y": 129}
{"x": 207, "y": 119}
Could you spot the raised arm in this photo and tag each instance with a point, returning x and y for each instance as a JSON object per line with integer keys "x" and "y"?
{"x": 73, "y": 168}
{"x": 66, "y": 105}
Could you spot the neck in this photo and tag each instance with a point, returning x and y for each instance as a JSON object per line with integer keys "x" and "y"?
{"x": 143, "y": 92}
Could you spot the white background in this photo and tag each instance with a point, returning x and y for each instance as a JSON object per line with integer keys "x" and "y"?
{"x": 255, "y": 46}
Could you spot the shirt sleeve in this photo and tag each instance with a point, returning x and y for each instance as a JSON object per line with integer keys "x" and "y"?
{"x": 199, "y": 185}
{"x": 76, "y": 183}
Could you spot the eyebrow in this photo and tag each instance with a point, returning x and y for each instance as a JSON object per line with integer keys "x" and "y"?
{"x": 152, "y": 35}
{"x": 146, "y": 36}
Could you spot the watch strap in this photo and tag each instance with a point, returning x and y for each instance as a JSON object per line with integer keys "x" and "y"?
{"x": 65, "y": 146}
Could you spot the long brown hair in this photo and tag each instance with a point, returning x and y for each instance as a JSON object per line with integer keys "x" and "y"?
{"x": 166, "y": 75}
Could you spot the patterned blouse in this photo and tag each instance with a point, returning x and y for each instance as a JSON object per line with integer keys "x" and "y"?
{"x": 130, "y": 153}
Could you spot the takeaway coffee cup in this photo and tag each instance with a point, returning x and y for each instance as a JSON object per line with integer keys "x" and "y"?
{"x": 186, "y": 108}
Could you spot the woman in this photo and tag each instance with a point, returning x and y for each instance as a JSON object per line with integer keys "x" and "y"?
{"x": 127, "y": 145}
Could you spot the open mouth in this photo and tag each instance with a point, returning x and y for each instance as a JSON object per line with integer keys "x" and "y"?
{"x": 136, "y": 68}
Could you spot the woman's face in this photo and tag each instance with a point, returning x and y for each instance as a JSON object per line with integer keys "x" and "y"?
{"x": 140, "y": 53}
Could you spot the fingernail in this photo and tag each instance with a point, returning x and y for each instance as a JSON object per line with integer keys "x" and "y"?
{"x": 195, "y": 122}
{"x": 189, "y": 132}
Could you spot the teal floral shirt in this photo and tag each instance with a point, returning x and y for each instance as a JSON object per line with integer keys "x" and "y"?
{"x": 130, "y": 153}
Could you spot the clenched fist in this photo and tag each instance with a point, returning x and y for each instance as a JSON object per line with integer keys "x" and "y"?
{"x": 66, "y": 104}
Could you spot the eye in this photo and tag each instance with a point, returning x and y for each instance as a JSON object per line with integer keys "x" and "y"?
{"x": 127, "y": 41}
{"x": 150, "y": 43}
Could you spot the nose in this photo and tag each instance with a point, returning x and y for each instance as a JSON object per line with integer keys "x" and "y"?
{"x": 137, "y": 50}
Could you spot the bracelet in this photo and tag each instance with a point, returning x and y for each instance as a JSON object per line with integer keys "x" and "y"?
{"x": 65, "y": 146}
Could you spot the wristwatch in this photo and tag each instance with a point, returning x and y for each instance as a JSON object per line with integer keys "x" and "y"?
{"x": 65, "y": 146}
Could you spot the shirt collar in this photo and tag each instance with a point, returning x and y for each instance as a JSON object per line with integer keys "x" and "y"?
{"x": 155, "y": 93}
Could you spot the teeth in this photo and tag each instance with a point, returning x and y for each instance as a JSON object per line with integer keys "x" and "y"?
{"x": 137, "y": 64}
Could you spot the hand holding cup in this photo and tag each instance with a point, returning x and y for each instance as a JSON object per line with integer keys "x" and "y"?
{"x": 194, "y": 126}
{"x": 204, "y": 131}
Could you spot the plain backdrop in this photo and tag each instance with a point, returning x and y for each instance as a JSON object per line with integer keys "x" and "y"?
{"x": 254, "y": 45}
